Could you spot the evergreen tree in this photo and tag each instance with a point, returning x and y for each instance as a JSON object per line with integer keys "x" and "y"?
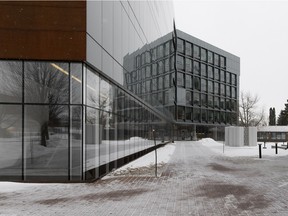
{"x": 272, "y": 116}
{"x": 283, "y": 116}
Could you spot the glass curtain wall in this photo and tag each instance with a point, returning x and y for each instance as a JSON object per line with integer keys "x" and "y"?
{"x": 63, "y": 121}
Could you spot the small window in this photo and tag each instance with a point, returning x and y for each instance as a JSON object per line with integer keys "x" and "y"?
{"x": 210, "y": 57}
{"x": 196, "y": 51}
{"x": 188, "y": 49}
{"x": 180, "y": 45}
{"x": 196, "y": 67}
{"x": 188, "y": 65}
{"x": 216, "y": 59}
{"x": 203, "y": 54}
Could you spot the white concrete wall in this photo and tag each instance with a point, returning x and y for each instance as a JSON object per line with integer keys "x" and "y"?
{"x": 234, "y": 136}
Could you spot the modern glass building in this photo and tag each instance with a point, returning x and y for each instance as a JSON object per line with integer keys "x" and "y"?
{"x": 194, "y": 83}
{"x": 65, "y": 114}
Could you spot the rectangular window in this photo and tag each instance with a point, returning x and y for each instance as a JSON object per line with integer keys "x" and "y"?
{"x": 216, "y": 74}
{"x": 188, "y": 113}
{"x": 222, "y": 103}
{"x": 210, "y": 86}
{"x": 188, "y": 98}
{"x": 188, "y": 65}
{"x": 154, "y": 69}
{"x": 228, "y": 92}
{"x": 196, "y": 115}
{"x": 160, "y": 83}
{"x": 196, "y": 99}
{"x": 160, "y": 67}
{"x": 210, "y": 72}
{"x": 233, "y": 92}
{"x": 222, "y": 76}
{"x": 210, "y": 101}
{"x": 203, "y": 100}
{"x": 216, "y": 59}
{"x": 222, "y": 89}
{"x": 181, "y": 112}
{"x": 167, "y": 48}
{"x": 203, "y": 85}
{"x": 204, "y": 115}
{"x": 147, "y": 57}
{"x": 196, "y": 67}
{"x": 196, "y": 83}
{"x": 166, "y": 81}
{"x": 210, "y": 57}
{"x": 76, "y": 83}
{"x": 196, "y": 51}
{"x": 203, "y": 70}
{"x": 160, "y": 53}
{"x": 180, "y": 45}
{"x": 228, "y": 78}
{"x": 210, "y": 116}
{"x": 180, "y": 79}
{"x": 216, "y": 88}
{"x": 180, "y": 62}
{"x": 172, "y": 59}
{"x": 222, "y": 62}
{"x": 203, "y": 54}
{"x": 154, "y": 84}
{"x": 167, "y": 65}
{"x": 216, "y": 102}
{"x": 188, "y": 82}
{"x": 154, "y": 54}
{"x": 148, "y": 71}
{"x": 188, "y": 48}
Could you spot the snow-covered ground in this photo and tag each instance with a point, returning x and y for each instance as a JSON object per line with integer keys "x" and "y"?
{"x": 145, "y": 164}
{"x": 221, "y": 148}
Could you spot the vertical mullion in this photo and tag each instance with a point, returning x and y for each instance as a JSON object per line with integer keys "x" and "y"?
{"x": 23, "y": 113}
{"x": 69, "y": 123}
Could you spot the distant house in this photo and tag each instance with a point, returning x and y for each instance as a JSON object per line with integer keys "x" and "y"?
{"x": 272, "y": 134}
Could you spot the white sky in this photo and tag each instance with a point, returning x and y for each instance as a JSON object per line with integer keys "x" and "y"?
{"x": 256, "y": 31}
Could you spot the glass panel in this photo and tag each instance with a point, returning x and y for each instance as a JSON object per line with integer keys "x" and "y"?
{"x": 188, "y": 48}
{"x": 188, "y": 65}
{"x": 196, "y": 81}
{"x": 210, "y": 57}
{"x": 93, "y": 138}
{"x": 104, "y": 131}
{"x": 203, "y": 54}
{"x": 180, "y": 62}
{"x": 180, "y": 79}
{"x": 204, "y": 115}
{"x": 167, "y": 65}
{"x": 222, "y": 62}
{"x": 92, "y": 89}
{"x": 216, "y": 74}
{"x": 76, "y": 142}
{"x": 172, "y": 60}
{"x": 160, "y": 51}
{"x": 222, "y": 103}
{"x": 216, "y": 59}
{"x": 203, "y": 70}
{"x": 216, "y": 88}
{"x": 210, "y": 86}
{"x": 196, "y": 51}
{"x": 196, "y": 99}
{"x": 180, "y": 45}
{"x": 210, "y": 72}
{"x": 196, "y": 67}
{"x": 11, "y": 81}
{"x": 148, "y": 71}
{"x": 167, "y": 81}
{"x": 154, "y": 69}
{"x": 210, "y": 116}
{"x": 203, "y": 85}
{"x": 105, "y": 101}
{"x": 46, "y": 82}
{"x": 210, "y": 100}
{"x": 188, "y": 114}
{"x": 228, "y": 93}
{"x": 228, "y": 78}
{"x": 222, "y": 76}
{"x": 76, "y": 83}
{"x": 222, "y": 89}
{"x": 204, "y": 100}
{"x": 188, "y": 81}
{"x": 181, "y": 112}
{"x": 160, "y": 67}
{"x": 11, "y": 142}
{"x": 216, "y": 102}
{"x": 46, "y": 142}
{"x": 167, "y": 48}
{"x": 188, "y": 98}
{"x": 160, "y": 83}
{"x": 196, "y": 115}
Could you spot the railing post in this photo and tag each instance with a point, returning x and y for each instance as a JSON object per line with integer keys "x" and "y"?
{"x": 276, "y": 148}
{"x": 260, "y": 153}
{"x": 155, "y": 153}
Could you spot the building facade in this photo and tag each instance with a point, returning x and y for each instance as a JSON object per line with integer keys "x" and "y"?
{"x": 65, "y": 114}
{"x": 191, "y": 81}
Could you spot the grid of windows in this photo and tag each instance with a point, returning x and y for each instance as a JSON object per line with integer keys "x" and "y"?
{"x": 207, "y": 82}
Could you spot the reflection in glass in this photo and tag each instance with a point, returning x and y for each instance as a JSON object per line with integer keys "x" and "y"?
{"x": 76, "y": 83}
{"x": 11, "y": 81}
{"x": 46, "y": 82}
{"x": 11, "y": 142}
{"x": 46, "y": 141}
{"x": 196, "y": 67}
{"x": 76, "y": 142}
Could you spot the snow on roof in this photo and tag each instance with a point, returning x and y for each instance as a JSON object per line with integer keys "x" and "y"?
{"x": 273, "y": 129}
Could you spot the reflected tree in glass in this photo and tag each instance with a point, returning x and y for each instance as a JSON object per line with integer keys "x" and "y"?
{"x": 46, "y": 83}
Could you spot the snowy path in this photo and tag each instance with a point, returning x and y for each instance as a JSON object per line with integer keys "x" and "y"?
{"x": 196, "y": 181}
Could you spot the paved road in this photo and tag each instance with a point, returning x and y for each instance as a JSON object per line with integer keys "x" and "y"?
{"x": 195, "y": 182}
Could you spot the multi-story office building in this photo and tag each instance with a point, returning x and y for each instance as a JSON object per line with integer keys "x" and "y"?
{"x": 191, "y": 81}
{"x": 64, "y": 112}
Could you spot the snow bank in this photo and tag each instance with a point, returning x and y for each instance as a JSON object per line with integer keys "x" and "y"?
{"x": 14, "y": 186}
{"x": 229, "y": 151}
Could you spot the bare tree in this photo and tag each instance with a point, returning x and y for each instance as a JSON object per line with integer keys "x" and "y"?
{"x": 249, "y": 114}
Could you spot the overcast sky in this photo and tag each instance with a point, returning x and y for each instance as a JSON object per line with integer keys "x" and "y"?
{"x": 256, "y": 31}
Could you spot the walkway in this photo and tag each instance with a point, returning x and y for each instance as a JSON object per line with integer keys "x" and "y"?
{"x": 195, "y": 182}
